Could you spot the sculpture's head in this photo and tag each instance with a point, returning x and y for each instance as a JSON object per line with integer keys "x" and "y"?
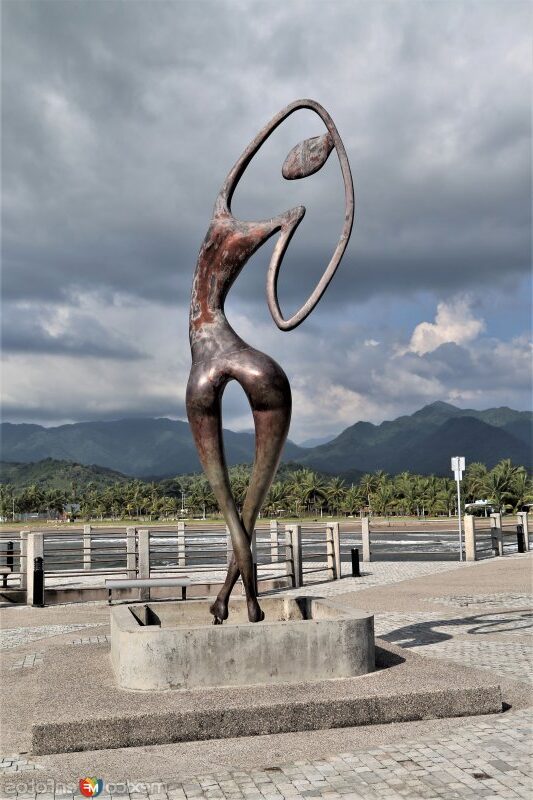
{"x": 307, "y": 157}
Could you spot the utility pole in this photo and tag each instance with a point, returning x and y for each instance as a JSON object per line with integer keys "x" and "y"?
{"x": 458, "y": 466}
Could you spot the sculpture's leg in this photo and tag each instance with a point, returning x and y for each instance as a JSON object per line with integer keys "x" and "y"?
{"x": 271, "y": 429}
{"x": 204, "y": 413}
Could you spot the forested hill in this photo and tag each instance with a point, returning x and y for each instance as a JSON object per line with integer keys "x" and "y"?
{"x": 64, "y": 475}
{"x": 421, "y": 443}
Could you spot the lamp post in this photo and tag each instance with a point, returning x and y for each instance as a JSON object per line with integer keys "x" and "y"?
{"x": 458, "y": 466}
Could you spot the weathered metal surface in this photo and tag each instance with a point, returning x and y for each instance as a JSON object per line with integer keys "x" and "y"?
{"x": 219, "y": 355}
{"x": 307, "y": 157}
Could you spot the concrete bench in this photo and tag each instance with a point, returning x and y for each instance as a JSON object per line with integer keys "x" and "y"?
{"x": 4, "y": 572}
{"x": 146, "y": 583}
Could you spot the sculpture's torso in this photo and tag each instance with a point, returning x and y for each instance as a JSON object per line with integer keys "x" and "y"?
{"x": 228, "y": 245}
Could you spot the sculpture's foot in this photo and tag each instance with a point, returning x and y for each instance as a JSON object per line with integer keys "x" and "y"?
{"x": 255, "y": 614}
{"x": 219, "y": 610}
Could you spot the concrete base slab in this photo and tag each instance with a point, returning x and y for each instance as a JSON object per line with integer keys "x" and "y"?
{"x": 94, "y": 714}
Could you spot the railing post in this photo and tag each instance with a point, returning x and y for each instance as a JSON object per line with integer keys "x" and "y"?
{"x": 496, "y": 533}
{"x": 34, "y": 550}
{"x": 522, "y": 520}
{"x": 274, "y": 546}
{"x": 131, "y": 555}
{"x": 289, "y": 560}
{"x": 253, "y": 548}
{"x": 144, "y": 559}
{"x": 86, "y": 547}
{"x": 470, "y": 537}
{"x": 181, "y": 545}
{"x": 337, "y": 548}
{"x": 10, "y": 562}
{"x": 296, "y": 542}
{"x": 229, "y": 546}
{"x": 365, "y": 535}
{"x": 23, "y": 559}
{"x": 330, "y": 554}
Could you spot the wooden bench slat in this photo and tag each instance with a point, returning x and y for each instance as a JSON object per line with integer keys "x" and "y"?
{"x": 140, "y": 583}
{"x": 146, "y": 583}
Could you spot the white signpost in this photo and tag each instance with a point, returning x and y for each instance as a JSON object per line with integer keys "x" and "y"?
{"x": 458, "y": 467}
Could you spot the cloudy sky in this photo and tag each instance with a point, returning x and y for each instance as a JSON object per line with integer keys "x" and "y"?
{"x": 120, "y": 120}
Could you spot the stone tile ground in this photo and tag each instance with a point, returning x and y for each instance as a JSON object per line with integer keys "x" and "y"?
{"x": 29, "y": 660}
{"x": 507, "y": 599}
{"x": 378, "y": 573}
{"x": 15, "y": 637}
{"x": 483, "y": 758}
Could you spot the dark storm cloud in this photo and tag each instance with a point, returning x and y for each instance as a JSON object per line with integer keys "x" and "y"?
{"x": 78, "y": 334}
{"x": 122, "y": 119}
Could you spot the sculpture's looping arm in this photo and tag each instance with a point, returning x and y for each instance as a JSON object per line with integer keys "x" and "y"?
{"x": 291, "y": 223}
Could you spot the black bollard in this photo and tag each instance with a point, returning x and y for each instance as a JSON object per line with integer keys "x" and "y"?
{"x": 38, "y": 582}
{"x": 355, "y": 563}
{"x": 520, "y": 539}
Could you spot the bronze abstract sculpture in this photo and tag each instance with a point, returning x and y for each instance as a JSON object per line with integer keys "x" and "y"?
{"x": 219, "y": 355}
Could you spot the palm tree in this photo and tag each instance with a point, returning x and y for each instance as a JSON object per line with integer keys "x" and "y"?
{"x": 497, "y": 489}
{"x": 521, "y": 490}
{"x": 368, "y": 484}
{"x": 201, "y": 498}
{"x": 55, "y": 500}
{"x": 474, "y": 483}
{"x": 382, "y": 498}
{"x": 406, "y": 492}
{"x": 277, "y": 498}
{"x": 354, "y": 500}
{"x": 335, "y": 491}
{"x": 447, "y": 497}
{"x": 430, "y": 491}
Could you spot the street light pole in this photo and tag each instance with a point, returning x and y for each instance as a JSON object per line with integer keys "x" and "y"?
{"x": 458, "y": 466}
{"x": 460, "y": 521}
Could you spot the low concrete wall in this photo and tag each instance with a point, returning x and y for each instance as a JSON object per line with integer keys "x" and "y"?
{"x": 301, "y": 639}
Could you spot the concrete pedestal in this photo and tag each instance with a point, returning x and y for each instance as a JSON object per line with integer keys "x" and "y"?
{"x": 175, "y": 645}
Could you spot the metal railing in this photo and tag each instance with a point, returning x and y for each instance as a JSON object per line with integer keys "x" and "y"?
{"x": 84, "y": 558}
{"x": 295, "y": 554}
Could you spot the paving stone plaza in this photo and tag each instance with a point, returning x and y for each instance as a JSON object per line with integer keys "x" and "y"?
{"x": 480, "y": 615}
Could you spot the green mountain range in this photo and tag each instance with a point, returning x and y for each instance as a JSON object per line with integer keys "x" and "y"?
{"x": 144, "y": 448}
{"x": 422, "y": 443}
{"x": 425, "y": 441}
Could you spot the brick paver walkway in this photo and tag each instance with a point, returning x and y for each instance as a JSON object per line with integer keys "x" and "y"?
{"x": 15, "y": 637}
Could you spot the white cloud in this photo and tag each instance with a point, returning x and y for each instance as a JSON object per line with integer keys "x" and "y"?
{"x": 455, "y": 322}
